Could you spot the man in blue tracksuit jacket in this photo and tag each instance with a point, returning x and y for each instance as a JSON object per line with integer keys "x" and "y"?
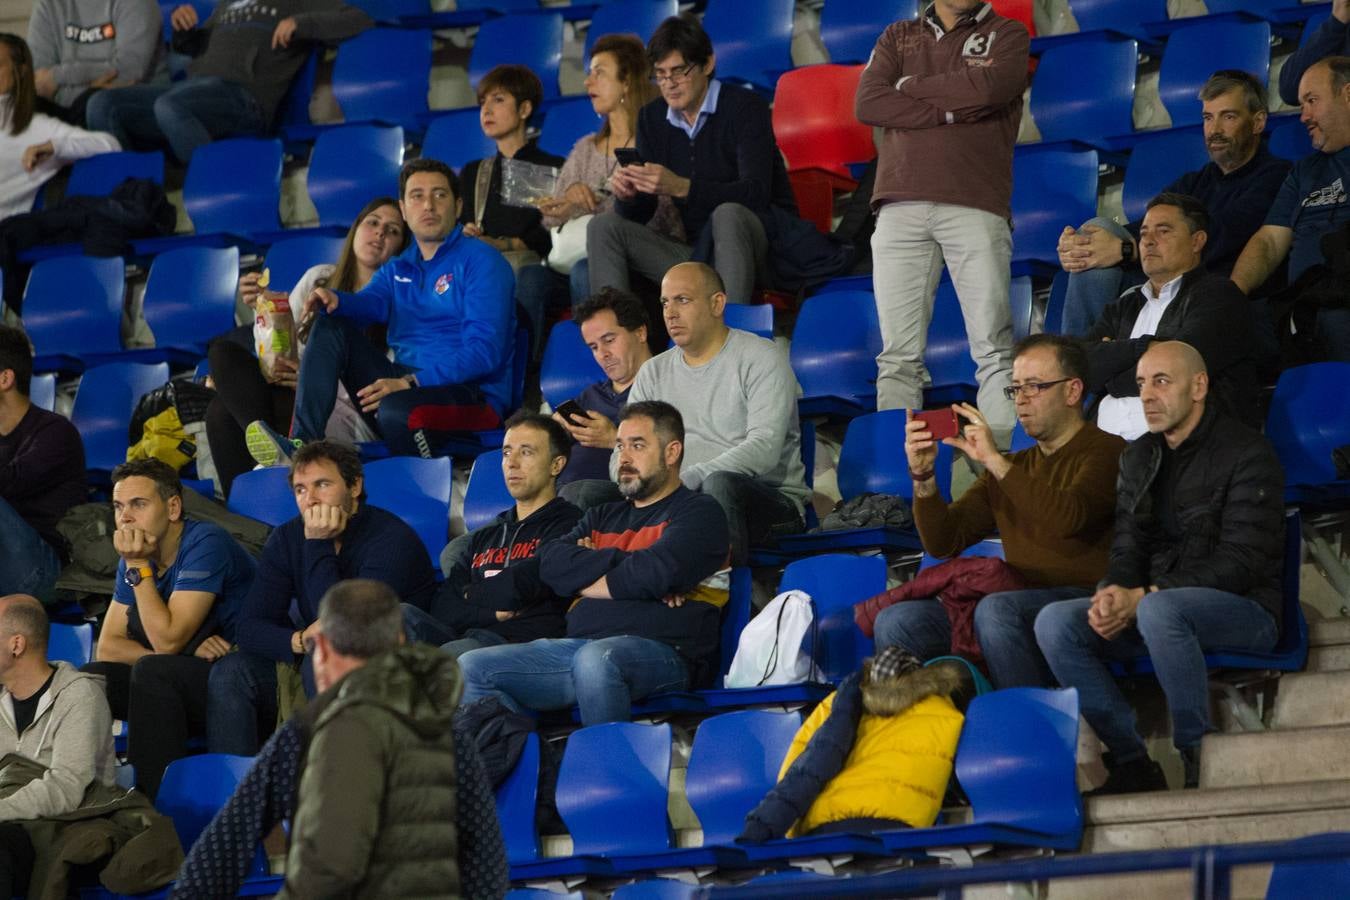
{"x": 449, "y": 303}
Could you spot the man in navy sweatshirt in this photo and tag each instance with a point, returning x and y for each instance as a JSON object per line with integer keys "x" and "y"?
{"x": 336, "y": 537}
{"x": 449, "y": 302}
{"x": 492, "y": 593}
{"x": 649, "y": 574}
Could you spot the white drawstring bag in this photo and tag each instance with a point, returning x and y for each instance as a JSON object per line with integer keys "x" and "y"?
{"x": 770, "y": 647}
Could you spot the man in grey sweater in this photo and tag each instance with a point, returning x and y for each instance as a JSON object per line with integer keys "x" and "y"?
{"x": 738, "y": 397}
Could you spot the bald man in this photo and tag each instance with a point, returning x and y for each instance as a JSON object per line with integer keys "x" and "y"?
{"x": 738, "y": 397}
{"x": 50, "y": 714}
{"x": 1195, "y": 566}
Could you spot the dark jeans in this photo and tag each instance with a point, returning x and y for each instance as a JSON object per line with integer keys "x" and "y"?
{"x": 16, "y": 860}
{"x": 186, "y": 114}
{"x": 543, "y": 293}
{"x": 587, "y": 492}
{"x": 413, "y": 422}
{"x": 243, "y": 706}
{"x": 243, "y": 395}
{"x": 754, "y": 511}
{"x": 28, "y": 564}
{"x": 162, "y": 698}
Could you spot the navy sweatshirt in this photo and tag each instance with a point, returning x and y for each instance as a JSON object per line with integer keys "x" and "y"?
{"x": 294, "y": 573}
{"x": 669, "y": 547}
{"x": 593, "y": 462}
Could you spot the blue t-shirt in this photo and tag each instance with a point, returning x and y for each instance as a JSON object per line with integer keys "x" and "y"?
{"x": 208, "y": 560}
{"x": 1312, "y": 201}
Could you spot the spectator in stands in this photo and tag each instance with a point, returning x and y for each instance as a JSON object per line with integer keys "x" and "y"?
{"x": 649, "y": 577}
{"x": 1179, "y": 302}
{"x": 709, "y": 147}
{"x": 57, "y": 721}
{"x": 33, "y": 146}
{"x": 1051, "y": 504}
{"x": 614, "y": 326}
{"x": 738, "y": 398}
{"x": 1236, "y": 188}
{"x": 619, "y": 84}
{"x": 176, "y": 604}
{"x": 80, "y": 48}
{"x": 1311, "y": 201}
{"x": 492, "y": 593}
{"x": 41, "y": 476}
{"x": 244, "y": 394}
{"x": 395, "y": 698}
{"x": 1195, "y": 565}
{"x": 448, "y": 302}
{"x": 336, "y": 536}
{"x": 1332, "y": 38}
{"x": 947, "y": 88}
{"x": 247, "y": 54}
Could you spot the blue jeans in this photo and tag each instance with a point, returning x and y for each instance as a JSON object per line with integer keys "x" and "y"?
{"x": 602, "y": 676}
{"x": 1174, "y": 627}
{"x": 186, "y": 114}
{"x": 1088, "y": 294}
{"x": 241, "y": 709}
{"x": 28, "y": 564}
{"x": 474, "y": 639}
{"x": 1003, "y": 626}
{"x": 755, "y": 511}
{"x": 541, "y": 292}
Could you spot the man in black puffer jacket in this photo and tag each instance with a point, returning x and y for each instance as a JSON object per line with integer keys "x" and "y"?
{"x": 1195, "y": 566}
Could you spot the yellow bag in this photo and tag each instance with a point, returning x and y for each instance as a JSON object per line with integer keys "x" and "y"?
{"x": 164, "y": 438}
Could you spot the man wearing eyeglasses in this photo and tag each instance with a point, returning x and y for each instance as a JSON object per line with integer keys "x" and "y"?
{"x": 708, "y": 146}
{"x": 1052, "y": 505}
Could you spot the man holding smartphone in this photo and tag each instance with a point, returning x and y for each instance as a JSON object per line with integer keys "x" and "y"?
{"x": 1052, "y": 505}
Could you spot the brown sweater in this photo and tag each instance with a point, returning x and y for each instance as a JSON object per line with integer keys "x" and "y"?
{"x": 950, "y": 103}
{"x": 1054, "y": 513}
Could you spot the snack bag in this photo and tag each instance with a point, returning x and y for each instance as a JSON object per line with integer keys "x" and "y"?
{"x": 273, "y": 328}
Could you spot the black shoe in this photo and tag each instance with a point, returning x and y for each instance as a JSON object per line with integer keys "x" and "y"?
{"x": 1190, "y": 759}
{"x": 1133, "y": 777}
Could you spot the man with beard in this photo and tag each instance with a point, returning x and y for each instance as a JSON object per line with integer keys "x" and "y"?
{"x": 650, "y": 580}
{"x": 1237, "y": 187}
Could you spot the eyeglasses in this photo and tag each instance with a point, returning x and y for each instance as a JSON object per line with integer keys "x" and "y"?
{"x": 674, "y": 76}
{"x": 1030, "y": 388}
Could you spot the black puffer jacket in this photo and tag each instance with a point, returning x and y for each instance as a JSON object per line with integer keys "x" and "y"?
{"x": 1228, "y": 505}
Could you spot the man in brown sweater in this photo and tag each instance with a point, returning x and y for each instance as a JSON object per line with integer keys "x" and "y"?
{"x": 1053, "y": 505}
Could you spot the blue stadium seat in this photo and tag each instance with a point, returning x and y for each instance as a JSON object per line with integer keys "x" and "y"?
{"x": 71, "y": 643}
{"x": 1289, "y": 139}
{"x": 350, "y": 165}
{"x": 265, "y": 495}
{"x": 1309, "y": 417}
{"x": 69, "y": 336}
{"x": 1084, "y": 89}
{"x": 1194, "y": 52}
{"x": 1020, "y": 440}
{"x": 1021, "y": 299}
{"x": 456, "y": 139}
{"x": 533, "y": 40}
{"x": 193, "y": 791}
{"x": 568, "y": 366}
{"x": 418, "y": 490}
{"x": 658, "y": 889}
{"x": 1156, "y": 161}
{"x": 528, "y": 893}
{"x": 1050, "y": 187}
{"x": 849, "y": 28}
{"x": 294, "y": 109}
{"x": 189, "y": 299}
{"x": 288, "y": 260}
{"x": 753, "y": 39}
{"x": 567, "y": 122}
{"x": 947, "y": 353}
{"x": 1294, "y": 881}
{"x": 1117, "y": 15}
{"x": 989, "y": 548}
{"x": 833, "y": 353}
{"x": 516, "y": 797}
{"x": 391, "y": 11}
{"x": 733, "y": 763}
{"x": 42, "y": 391}
{"x": 1054, "y": 307}
{"x": 639, "y": 17}
{"x": 1255, "y": 7}
{"x": 382, "y": 75}
{"x": 486, "y": 495}
{"x": 96, "y": 176}
{"x": 106, "y": 398}
{"x": 756, "y": 318}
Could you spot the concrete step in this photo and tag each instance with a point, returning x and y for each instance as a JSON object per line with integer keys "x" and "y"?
{"x": 1329, "y": 645}
{"x": 1326, "y": 632}
{"x": 1287, "y": 756}
{"x": 1312, "y": 699}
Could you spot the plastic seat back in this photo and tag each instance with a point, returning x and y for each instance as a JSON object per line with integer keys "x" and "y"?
{"x": 989, "y": 548}
{"x": 42, "y": 391}
{"x": 294, "y": 109}
{"x": 1117, "y": 15}
{"x": 382, "y": 75}
{"x": 657, "y": 889}
{"x": 1157, "y": 161}
{"x": 1289, "y": 140}
{"x": 1194, "y": 52}
{"x": 516, "y": 797}
{"x": 567, "y": 122}
{"x": 56, "y": 325}
{"x": 734, "y": 762}
{"x": 288, "y": 260}
{"x": 639, "y": 17}
{"x": 189, "y": 296}
{"x": 872, "y": 458}
{"x": 196, "y": 787}
{"x": 1255, "y": 7}
{"x": 756, "y": 318}
{"x": 265, "y": 495}
{"x": 71, "y": 643}
{"x": 486, "y": 496}
{"x": 849, "y": 28}
{"x": 350, "y": 165}
{"x": 1309, "y": 417}
{"x": 813, "y": 119}
{"x": 96, "y": 176}
{"x": 533, "y": 40}
{"x": 1021, "y": 298}
{"x": 418, "y": 491}
{"x": 456, "y": 140}
{"x": 835, "y": 582}
{"x": 753, "y": 39}
{"x": 613, "y": 787}
{"x": 106, "y": 398}
{"x": 1018, "y": 10}
{"x": 234, "y": 186}
{"x": 835, "y": 345}
{"x": 1297, "y": 880}
{"x": 1084, "y": 89}
{"x": 946, "y": 356}
{"x": 1051, "y": 187}
{"x": 568, "y": 366}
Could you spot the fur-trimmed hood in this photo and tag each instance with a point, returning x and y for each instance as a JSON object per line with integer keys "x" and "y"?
{"x": 894, "y": 696}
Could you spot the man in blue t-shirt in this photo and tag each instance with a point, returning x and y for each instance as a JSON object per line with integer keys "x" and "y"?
{"x": 176, "y": 601}
{"x": 1312, "y": 202}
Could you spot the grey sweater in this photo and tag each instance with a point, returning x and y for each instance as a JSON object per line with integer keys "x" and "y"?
{"x": 83, "y": 40}
{"x": 739, "y": 409}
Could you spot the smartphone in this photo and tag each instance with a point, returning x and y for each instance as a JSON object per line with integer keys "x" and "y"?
{"x": 571, "y": 411}
{"x": 942, "y": 423}
{"x": 628, "y": 156}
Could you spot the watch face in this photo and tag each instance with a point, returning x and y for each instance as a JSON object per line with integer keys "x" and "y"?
{"x": 132, "y": 577}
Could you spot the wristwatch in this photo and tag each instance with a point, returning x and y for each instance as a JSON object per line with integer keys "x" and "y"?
{"x": 1127, "y": 251}
{"x": 134, "y": 576}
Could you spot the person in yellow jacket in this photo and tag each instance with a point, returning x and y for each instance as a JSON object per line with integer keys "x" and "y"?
{"x": 876, "y": 754}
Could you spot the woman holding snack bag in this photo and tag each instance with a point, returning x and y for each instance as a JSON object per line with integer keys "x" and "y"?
{"x": 259, "y": 383}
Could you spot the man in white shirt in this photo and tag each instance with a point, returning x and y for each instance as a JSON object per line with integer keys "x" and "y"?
{"x": 1179, "y": 302}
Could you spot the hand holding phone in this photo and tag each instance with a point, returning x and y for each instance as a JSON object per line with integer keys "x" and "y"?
{"x": 628, "y": 156}
{"x": 571, "y": 411}
{"x": 941, "y": 423}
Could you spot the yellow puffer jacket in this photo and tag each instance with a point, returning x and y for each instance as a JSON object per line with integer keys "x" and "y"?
{"x": 902, "y": 754}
